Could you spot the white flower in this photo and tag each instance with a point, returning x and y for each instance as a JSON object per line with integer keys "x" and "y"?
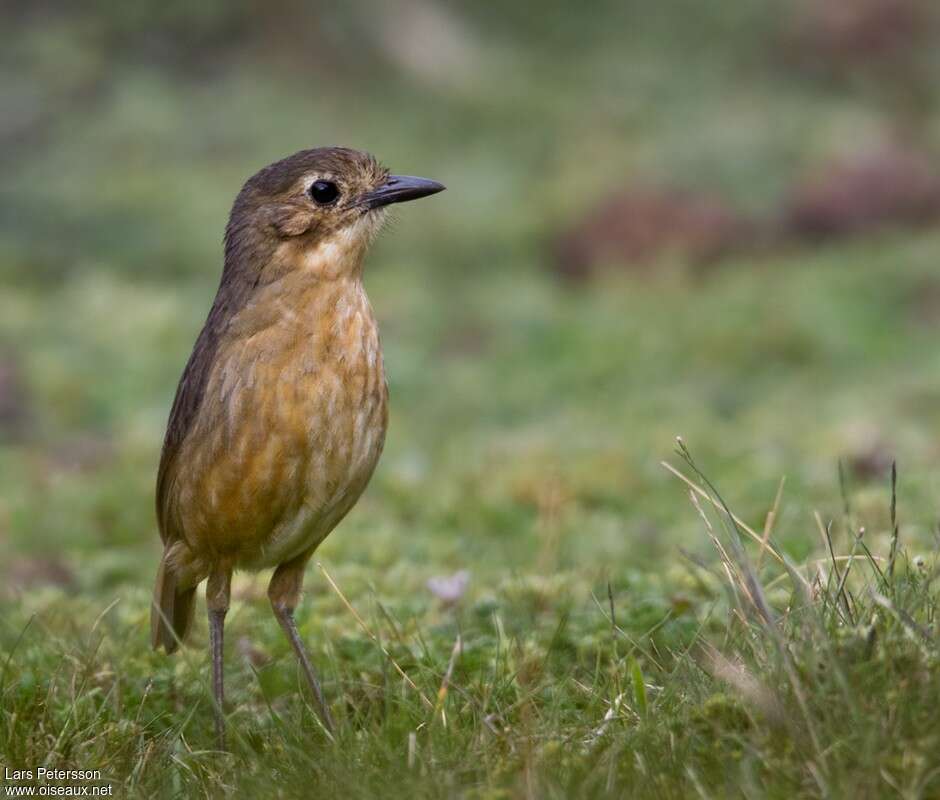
{"x": 449, "y": 588}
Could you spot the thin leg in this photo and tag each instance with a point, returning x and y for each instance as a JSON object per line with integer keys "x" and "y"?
{"x": 217, "y": 601}
{"x": 284, "y": 592}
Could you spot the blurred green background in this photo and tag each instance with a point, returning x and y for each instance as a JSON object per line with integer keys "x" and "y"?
{"x": 707, "y": 219}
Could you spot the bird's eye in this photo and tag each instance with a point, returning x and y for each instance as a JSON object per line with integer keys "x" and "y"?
{"x": 323, "y": 192}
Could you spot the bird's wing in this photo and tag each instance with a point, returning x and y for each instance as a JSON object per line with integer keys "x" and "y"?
{"x": 185, "y": 410}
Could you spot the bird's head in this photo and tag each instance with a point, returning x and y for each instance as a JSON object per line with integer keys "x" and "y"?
{"x": 317, "y": 211}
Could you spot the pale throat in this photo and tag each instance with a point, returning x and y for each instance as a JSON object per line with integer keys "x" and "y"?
{"x": 341, "y": 254}
{"x": 316, "y": 288}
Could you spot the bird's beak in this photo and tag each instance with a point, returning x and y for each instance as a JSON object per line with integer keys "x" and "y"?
{"x": 401, "y": 188}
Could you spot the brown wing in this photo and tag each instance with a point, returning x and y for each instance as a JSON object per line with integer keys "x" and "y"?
{"x": 189, "y": 398}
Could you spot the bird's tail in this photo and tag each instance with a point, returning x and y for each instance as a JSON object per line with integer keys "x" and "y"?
{"x": 171, "y": 615}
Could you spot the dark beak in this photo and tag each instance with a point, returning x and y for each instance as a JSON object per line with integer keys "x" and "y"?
{"x": 401, "y": 188}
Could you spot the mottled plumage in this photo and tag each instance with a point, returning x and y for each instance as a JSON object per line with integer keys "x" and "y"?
{"x": 281, "y": 412}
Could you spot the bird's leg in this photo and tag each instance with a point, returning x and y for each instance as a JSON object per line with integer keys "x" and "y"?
{"x": 284, "y": 592}
{"x": 217, "y": 599}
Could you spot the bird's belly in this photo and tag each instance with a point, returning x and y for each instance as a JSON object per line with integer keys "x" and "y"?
{"x": 343, "y": 443}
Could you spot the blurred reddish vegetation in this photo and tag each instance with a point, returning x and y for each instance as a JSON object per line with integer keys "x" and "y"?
{"x": 889, "y": 185}
{"x": 849, "y": 33}
{"x": 28, "y": 572}
{"x": 883, "y": 50}
{"x": 635, "y": 226}
{"x": 871, "y": 462}
{"x": 14, "y": 402}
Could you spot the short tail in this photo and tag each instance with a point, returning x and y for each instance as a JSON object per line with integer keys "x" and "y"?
{"x": 171, "y": 615}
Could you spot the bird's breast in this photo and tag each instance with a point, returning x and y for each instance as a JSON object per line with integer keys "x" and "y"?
{"x": 300, "y": 414}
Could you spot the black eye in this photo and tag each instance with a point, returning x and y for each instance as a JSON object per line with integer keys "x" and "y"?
{"x": 323, "y": 192}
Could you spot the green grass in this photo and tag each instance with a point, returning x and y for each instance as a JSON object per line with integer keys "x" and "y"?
{"x": 714, "y": 676}
{"x": 607, "y": 647}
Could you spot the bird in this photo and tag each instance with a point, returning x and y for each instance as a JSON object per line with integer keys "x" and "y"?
{"x": 280, "y": 415}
